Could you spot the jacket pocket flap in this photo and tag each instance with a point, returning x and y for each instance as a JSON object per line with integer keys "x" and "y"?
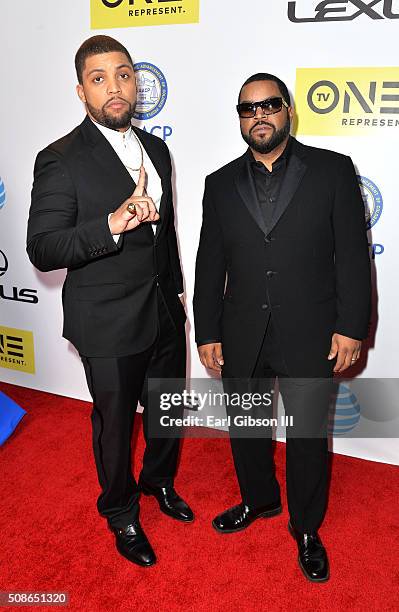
{"x": 109, "y": 291}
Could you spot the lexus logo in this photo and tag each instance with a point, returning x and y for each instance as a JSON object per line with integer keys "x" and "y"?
{"x": 339, "y": 10}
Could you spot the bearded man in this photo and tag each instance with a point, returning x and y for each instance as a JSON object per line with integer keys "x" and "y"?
{"x": 282, "y": 290}
{"x": 102, "y": 208}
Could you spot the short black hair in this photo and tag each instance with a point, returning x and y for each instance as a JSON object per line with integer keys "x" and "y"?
{"x": 94, "y": 46}
{"x": 264, "y": 76}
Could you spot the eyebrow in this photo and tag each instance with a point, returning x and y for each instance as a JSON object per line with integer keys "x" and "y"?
{"x": 117, "y": 68}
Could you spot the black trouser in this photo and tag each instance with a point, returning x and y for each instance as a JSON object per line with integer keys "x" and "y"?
{"x": 307, "y": 400}
{"x": 116, "y": 385}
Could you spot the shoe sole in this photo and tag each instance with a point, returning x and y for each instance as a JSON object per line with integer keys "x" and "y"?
{"x": 268, "y": 514}
{"x": 301, "y": 566}
{"x": 163, "y": 511}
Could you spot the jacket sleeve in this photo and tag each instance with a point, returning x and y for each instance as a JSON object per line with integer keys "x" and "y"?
{"x": 54, "y": 239}
{"x": 210, "y": 275}
{"x": 173, "y": 248}
{"x": 352, "y": 260}
{"x": 174, "y": 255}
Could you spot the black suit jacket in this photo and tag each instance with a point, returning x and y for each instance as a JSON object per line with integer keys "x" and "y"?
{"x": 309, "y": 270}
{"x": 110, "y": 291}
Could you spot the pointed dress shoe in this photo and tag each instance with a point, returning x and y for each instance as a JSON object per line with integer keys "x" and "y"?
{"x": 169, "y": 501}
{"x": 132, "y": 543}
{"x": 312, "y": 556}
{"x": 240, "y": 517}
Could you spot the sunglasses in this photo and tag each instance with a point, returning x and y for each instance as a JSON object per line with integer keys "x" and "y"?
{"x": 270, "y": 106}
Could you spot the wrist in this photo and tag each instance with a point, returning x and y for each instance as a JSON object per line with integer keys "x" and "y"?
{"x": 115, "y": 231}
{"x": 112, "y": 225}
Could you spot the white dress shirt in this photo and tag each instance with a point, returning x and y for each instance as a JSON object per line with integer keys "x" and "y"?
{"x": 128, "y": 148}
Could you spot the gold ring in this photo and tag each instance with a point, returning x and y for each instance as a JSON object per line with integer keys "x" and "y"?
{"x": 131, "y": 207}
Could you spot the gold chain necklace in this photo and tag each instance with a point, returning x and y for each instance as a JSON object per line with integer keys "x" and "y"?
{"x": 141, "y": 152}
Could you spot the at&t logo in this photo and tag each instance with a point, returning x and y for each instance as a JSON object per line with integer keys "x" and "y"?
{"x": 2, "y": 194}
{"x": 345, "y": 412}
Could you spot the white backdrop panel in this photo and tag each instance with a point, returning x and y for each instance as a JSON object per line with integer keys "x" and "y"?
{"x": 204, "y": 65}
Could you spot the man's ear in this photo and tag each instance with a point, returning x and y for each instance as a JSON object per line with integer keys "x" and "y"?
{"x": 81, "y": 93}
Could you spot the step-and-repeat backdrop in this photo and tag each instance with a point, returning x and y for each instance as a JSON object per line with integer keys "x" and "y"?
{"x": 338, "y": 59}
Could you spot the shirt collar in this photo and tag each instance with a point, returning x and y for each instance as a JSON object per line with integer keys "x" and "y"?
{"x": 114, "y": 137}
{"x": 284, "y": 155}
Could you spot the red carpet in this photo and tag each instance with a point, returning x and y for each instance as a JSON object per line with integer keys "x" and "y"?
{"x": 54, "y": 540}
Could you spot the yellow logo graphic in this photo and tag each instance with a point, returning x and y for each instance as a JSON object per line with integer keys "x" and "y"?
{"x": 130, "y": 13}
{"x": 342, "y": 101}
{"x": 16, "y": 350}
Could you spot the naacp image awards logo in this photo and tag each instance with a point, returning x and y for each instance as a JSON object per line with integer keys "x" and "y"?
{"x": 372, "y": 199}
{"x": 2, "y": 194}
{"x": 152, "y": 90}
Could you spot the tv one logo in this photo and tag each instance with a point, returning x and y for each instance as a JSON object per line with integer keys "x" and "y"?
{"x": 341, "y": 101}
{"x": 130, "y": 13}
{"x": 17, "y": 350}
{"x": 346, "y": 10}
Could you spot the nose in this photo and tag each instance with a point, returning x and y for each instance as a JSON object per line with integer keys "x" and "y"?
{"x": 113, "y": 86}
{"x": 260, "y": 113}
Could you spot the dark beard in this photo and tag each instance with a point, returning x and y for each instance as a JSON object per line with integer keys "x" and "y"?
{"x": 266, "y": 146}
{"x": 110, "y": 121}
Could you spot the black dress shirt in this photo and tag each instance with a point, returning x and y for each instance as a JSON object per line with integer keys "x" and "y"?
{"x": 268, "y": 183}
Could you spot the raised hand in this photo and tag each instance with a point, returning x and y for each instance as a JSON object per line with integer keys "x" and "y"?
{"x": 137, "y": 209}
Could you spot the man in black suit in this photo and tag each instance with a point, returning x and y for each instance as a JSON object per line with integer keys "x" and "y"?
{"x": 284, "y": 224}
{"x": 102, "y": 208}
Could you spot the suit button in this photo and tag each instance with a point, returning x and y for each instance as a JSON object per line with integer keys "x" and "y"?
{"x": 264, "y": 306}
{"x": 270, "y": 273}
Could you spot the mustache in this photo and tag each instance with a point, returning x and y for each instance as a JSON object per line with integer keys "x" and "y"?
{"x": 116, "y": 99}
{"x": 261, "y": 123}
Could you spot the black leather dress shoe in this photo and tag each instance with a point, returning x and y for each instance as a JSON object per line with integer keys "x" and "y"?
{"x": 240, "y": 517}
{"x": 169, "y": 502}
{"x": 312, "y": 556}
{"x": 132, "y": 543}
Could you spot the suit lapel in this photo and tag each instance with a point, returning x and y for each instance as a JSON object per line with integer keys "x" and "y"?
{"x": 246, "y": 188}
{"x": 296, "y": 168}
{"x": 112, "y": 167}
{"x": 110, "y": 164}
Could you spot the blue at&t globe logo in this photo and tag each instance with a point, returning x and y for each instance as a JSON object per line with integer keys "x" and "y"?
{"x": 345, "y": 415}
{"x": 2, "y": 194}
